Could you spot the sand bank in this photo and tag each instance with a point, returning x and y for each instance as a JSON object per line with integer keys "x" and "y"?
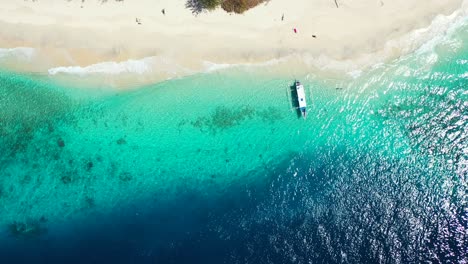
{"x": 92, "y": 37}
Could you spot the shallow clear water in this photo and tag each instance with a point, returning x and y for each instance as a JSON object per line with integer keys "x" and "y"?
{"x": 218, "y": 168}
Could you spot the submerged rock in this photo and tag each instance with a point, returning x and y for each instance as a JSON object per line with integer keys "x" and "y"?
{"x": 125, "y": 176}
{"x": 89, "y": 165}
{"x": 26, "y": 229}
{"x": 89, "y": 202}
{"x": 121, "y": 141}
{"x": 60, "y": 142}
{"x": 224, "y": 118}
{"x": 66, "y": 179}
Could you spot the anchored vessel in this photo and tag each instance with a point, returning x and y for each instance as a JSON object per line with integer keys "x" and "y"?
{"x": 301, "y": 99}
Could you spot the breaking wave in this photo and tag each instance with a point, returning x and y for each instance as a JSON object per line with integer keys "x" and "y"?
{"x": 19, "y": 53}
{"x": 142, "y": 66}
{"x": 421, "y": 41}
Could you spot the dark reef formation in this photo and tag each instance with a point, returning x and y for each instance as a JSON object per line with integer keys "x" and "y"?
{"x": 224, "y": 117}
{"x": 27, "y": 229}
{"x": 231, "y": 6}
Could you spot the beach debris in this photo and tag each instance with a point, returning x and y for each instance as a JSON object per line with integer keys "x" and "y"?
{"x": 282, "y": 17}
{"x": 295, "y": 30}
{"x": 336, "y": 3}
{"x": 314, "y": 36}
{"x": 138, "y": 21}
{"x": 163, "y": 11}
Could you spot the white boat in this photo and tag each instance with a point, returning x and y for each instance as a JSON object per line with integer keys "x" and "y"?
{"x": 301, "y": 98}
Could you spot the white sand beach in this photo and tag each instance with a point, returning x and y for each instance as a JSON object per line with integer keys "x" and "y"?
{"x": 94, "y": 37}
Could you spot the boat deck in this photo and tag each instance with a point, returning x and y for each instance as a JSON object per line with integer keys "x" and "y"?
{"x": 301, "y": 98}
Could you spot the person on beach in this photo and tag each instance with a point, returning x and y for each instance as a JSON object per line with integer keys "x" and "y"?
{"x": 282, "y": 17}
{"x": 163, "y": 11}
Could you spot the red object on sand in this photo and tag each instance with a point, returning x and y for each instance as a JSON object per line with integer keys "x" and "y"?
{"x": 295, "y": 30}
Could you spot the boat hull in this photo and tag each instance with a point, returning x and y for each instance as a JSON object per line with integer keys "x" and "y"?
{"x": 301, "y": 99}
{"x": 303, "y": 112}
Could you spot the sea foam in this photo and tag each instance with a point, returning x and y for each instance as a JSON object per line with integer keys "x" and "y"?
{"x": 110, "y": 67}
{"x": 208, "y": 66}
{"x": 20, "y": 53}
{"x": 154, "y": 65}
{"x": 420, "y": 41}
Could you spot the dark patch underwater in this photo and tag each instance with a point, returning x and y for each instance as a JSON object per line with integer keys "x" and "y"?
{"x": 306, "y": 211}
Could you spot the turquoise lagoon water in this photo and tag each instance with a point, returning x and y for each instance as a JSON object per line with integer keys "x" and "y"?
{"x": 218, "y": 167}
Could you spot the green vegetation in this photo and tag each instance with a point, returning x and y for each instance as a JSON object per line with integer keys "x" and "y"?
{"x": 239, "y": 6}
{"x": 198, "y": 6}
{"x": 236, "y": 6}
{"x": 209, "y": 4}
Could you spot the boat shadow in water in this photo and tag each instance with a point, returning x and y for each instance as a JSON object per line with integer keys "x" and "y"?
{"x": 292, "y": 95}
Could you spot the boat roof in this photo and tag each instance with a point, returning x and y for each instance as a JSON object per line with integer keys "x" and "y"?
{"x": 301, "y": 98}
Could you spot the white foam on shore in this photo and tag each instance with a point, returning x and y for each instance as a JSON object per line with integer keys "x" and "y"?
{"x": 211, "y": 66}
{"x": 424, "y": 40}
{"x": 355, "y": 74}
{"x": 208, "y": 66}
{"x": 19, "y": 53}
{"x": 129, "y": 66}
{"x": 127, "y": 74}
{"x": 421, "y": 41}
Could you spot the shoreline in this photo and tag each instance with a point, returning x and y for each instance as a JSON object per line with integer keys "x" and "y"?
{"x": 158, "y": 50}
